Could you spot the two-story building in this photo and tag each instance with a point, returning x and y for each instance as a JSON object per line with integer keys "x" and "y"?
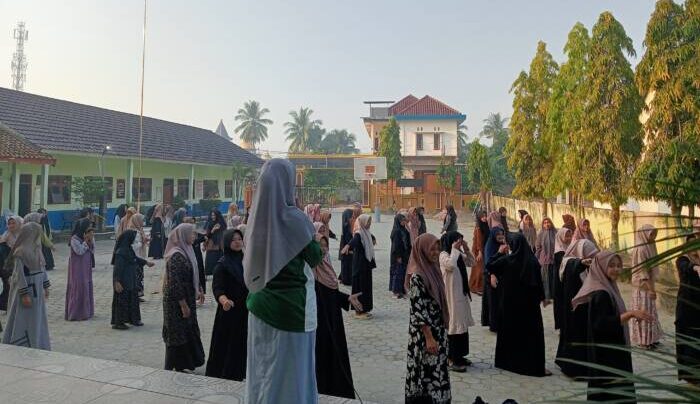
{"x": 428, "y": 131}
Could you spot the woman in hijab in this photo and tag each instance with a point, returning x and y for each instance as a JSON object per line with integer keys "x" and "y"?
{"x": 454, "y": 260}
{"x": 607, "y": 321}
{"x": 227, "y": 352}
{"x": 413, "y": 225}
{"x": 47, "y": 246}
{"x": 521, "y": 214}
{"x": 481, "y": 235}
{"x": 494, "y": 220}
{"x": 583, "y": 231}
{"x": 118, "y": 216}
{"x": 7, "y": 241}
{"x": 573, "y": 324}
{"x": 400, "y": 252}
{"x": 197, "y": 247}
{"x": 179, "y": 217}
{"x": 527, "y": 229}
{"x": 688, "y": 313}
{"x": 281, "y": 248}
{"x": 26, "y": 320}
{"x": 233, "y": 219}
{"x": 139, "y": 245}
{"x": 489, "y": 299}
{"x": 48, "y": 251}
{"x": 155, "y": 248}
{"x": 362, "y": 246}
{"x": 333, "y": 373}
{"x": 544, "y": 251}
{"x": 345, "y": 255}
{"x": 569, "y": 222}
{"x": 321, "y": 229}
{"x": 80, "y": 303}
{"x": 356, "y": 212}
{"x": 325, "y": 217}
{"x": 423, "y": 228}
{"x": 125, "y": 221}
{"x": 561, "y": 243}
{"x": 427, "y": 377}
{"x": 503, "y": 212}
{"x": 125, "y": 300}
{"x": 520, "y": 340}
{"x": 214, "y": 245}
{"x": 450, "y": 221}
{"x": 645, "y": 334}
{"x": 181, "y": 291}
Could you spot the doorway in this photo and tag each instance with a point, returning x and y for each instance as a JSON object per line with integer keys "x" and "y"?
{"x": 168, "y": 190}
{"x": 24, "y": 204}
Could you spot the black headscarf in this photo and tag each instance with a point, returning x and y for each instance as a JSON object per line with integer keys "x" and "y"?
{"x": 179, "y": 216}
{"x": 218, "y": 219}
{"x": 446, "y": 241}
{"x": 123, "y": 244}
{"x": 491, "y": 244}
{"x": 522, "y": 213}
{"x": 80, "y": 228}
{"x": 232, "y": 260}
{"x": 397, "y": 224}
{"x": 121, "y": 210}
{"x": 347, "y": 226}
{"x": 483, "y": 227}
{"x": 522, "y": 258}
{"x": 402, "y": 231}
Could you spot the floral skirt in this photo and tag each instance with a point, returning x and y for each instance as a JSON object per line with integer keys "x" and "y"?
{"x": 644, "y": 333}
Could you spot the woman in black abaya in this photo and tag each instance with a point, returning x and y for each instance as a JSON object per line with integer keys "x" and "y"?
{"x": 489, "y": 299}
{"x": 520, "y": 341}
{"x": 346, "y": 258}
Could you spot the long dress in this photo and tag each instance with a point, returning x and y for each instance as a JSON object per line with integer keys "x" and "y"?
{"x": 458, "y": 304}
{"x": 476, "y": 276}
{"x": 345, "y": 259}
{"x": 687, "y": 317}
{"x": 333, "y": 372}
{"x": 427, "y": 378}
{"x": 559, "y": 304}
{"x": 282, "y": 334}
{"x": 362, "y": 274}
{"x": 183, "y": 346}
{"x": 642, "y": 332}
{"x": 125, "y": 305}
{"x": 5, "y": 294}
{"x": 214, "y": 248}
{"x": 140, "y": 248}
{"x": 400, "y": 252}
{"x": 489, "y": 298}
{"x": 27, "y": 326}
{"x": 227, "y": 352}
{"x": 157, "y": 245}
{"x": 604, "y": 327}
{"x": 80, "y": 302}
{"x": 197, "y": 247}
{"x": 520, "y": 340}
{"x": 573, "y": 324}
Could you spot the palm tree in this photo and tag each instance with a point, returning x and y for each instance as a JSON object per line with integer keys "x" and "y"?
{"x": 339, "y": 141}
{"x": 495, "y": 129}
{"x": 300, "y": 130}
{"x": 252, "y": 127}
{"x": 462, "y": 143}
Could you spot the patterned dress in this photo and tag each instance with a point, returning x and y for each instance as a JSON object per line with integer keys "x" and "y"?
{"x": 427, "y": 379}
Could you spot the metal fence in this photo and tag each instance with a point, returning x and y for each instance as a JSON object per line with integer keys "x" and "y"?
{"x": 329, "y": 196}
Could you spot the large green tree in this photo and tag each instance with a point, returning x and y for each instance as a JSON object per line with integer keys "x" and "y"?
{"x": 565, "y": 117}
{"x": 479, "y": 170}
{"x": 302, "y": 131}
{"x": 338, "y": 141}
{"x": 667, "y": 76}
{"x": 390, "y": 148}
{"x": 610, "y": 142}
{"x": 496, "y": 129}
{"x": 253, "y": 125}
{"x": 528, "y": 155}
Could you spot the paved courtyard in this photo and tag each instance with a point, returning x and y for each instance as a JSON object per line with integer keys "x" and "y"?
{"x": 377, "y": 346}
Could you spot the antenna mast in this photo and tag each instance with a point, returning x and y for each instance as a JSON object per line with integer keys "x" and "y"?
{"x": 19, "y": 60}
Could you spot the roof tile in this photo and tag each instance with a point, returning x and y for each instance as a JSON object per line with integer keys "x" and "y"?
{"x": 427, "y": 106}
{"x": 13, "y": 147}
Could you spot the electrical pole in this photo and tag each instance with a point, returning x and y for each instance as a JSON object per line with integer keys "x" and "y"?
{"x": 19, "y": 59}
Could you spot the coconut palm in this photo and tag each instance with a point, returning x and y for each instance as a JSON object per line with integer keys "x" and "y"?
{"x": 339, "y": 141}
{"x": 301, "y": 130}
{"x": 462, "y": 146}
{"x": 253, "y": 127}
{"x": 495, "y": 129}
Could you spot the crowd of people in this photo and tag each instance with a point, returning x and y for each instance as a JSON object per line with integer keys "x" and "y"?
{"x": 279, "y": 322}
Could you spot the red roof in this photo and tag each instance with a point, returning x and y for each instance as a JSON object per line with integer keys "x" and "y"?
{"x": 402, "y": 104}
{"x": 426, "y": 106}
{"x": 13, "y": 147}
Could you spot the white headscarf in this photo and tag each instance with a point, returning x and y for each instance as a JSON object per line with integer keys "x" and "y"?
{"x": 177, "y": 243}
{"x": 276, "y": 230}
{"x": 364, "y": 220}
{"x": 581, "y": 249}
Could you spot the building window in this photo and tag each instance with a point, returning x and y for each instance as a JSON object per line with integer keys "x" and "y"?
{"x": 109, "y": 185}
{"x": 228, "y": 189}
{"x": 211, "y": 189}
{"x": 59, "y": 189}
{"x": 141, "y": 189}
{"x": 376, "y": 143}
{"x": 183, "y": 188}
{"x": 436, "y": 141}
{"x": 419, "y": 141}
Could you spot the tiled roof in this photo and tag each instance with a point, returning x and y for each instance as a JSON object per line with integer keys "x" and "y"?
{"x": 13, "y": 147}
{"x": 427, "y": 106}
{"x": 402, "y": 104}
{"x": 60, "y": 125}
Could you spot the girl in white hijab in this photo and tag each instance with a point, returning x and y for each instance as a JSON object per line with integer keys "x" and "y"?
{"x": 281, "y": 248}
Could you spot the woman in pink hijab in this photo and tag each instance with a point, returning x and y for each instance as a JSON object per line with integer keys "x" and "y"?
{"x": 645, "y": 334}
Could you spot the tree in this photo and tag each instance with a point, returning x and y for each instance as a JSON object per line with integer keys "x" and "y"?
{"x": 88, "y": 190}
{"x": 527, "y": 152}
{"x": 479, "y": 170}
{"x": 253, "y": 127}
{"x": 447, "y": 175}
{"x": 338, "y": 141}
{"x": 242, "y": 175}
{"x": 669, "y": 168}
{"x": 462, "y": 143}
{"x": 565, "y": 117}
{"x": 496, "y": 129}
{"x": 610, "y": 140}
{"x": 390, "y": 148}
{"x": 302, "y": 130}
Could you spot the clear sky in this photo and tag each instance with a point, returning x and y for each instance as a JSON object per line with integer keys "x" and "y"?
{"x": 205, "y": 58}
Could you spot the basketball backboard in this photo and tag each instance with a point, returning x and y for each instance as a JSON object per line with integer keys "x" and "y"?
{"x": 370, "y": 168}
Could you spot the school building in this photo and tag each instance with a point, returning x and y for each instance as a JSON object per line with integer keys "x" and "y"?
{"x": 46, "y": 142}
